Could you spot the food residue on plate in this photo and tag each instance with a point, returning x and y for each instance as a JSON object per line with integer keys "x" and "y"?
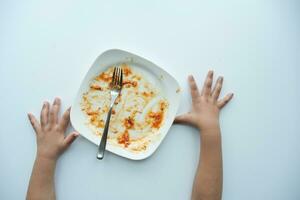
{"x": 138, "y": 112}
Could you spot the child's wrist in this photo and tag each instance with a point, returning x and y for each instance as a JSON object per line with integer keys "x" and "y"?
{"x": 46, "y": 157}
{"x": 45, "y": 160}
{"x": 210, "y": 130}
{"x": 210, "y": 126}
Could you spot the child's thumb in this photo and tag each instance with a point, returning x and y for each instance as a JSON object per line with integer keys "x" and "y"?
{"x": 70, "y": 139}
{"x": 184, "y": 118}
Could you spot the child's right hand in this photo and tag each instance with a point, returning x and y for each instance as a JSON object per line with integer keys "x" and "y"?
{"x": 206, "y": 106}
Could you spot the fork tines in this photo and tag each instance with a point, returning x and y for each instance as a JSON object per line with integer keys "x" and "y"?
{"x": 117, "y": 79}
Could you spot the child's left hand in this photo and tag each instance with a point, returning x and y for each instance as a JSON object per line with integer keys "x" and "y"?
{"x": 51, "y": 141}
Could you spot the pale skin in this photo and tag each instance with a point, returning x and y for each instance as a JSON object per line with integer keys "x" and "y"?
{"x": 204, "y": 115}
{"x": 51, "y": 143}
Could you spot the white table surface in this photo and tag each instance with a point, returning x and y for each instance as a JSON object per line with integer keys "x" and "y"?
{"x": 46, "y": 47}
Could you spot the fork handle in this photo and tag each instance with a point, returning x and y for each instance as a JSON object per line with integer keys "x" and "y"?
{"x": 101, "y": 149}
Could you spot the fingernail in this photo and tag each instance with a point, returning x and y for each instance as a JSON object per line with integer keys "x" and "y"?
{"x": 76, "y": 134}
{"x": 57, "y": 100}
{"x": 29, "y": 116}
{"x": 221, "y": 78}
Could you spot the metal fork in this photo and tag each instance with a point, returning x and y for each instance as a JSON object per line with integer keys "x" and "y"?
{"x": 115, "y": 89}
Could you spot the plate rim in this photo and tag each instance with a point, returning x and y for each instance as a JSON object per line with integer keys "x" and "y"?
{"x": 111, "y": 148}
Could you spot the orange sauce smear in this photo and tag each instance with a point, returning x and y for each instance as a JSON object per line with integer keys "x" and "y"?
{"x": 128, "y": 83}
{"x": 104, "y": 77}
{"x": 129, "y": 122}
{"x": 92, "y": 112}
{"x": 157, "y": 117}
{"x": 126, "y": 70}
{"x": 124, "y": 139}
{"x": 96, "y": 87}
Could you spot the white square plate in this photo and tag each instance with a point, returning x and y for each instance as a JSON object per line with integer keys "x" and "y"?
{"x": 169, "y": 87}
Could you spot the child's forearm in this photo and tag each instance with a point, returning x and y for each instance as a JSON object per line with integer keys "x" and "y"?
{"x": 51, "y": 143}
{"x": 208, "y": 180}
{"x": 204, "y": 115}
{"x": 41, "y": 185}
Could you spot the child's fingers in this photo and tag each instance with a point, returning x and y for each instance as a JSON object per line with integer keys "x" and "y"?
{"x": 70, "y": 139}
{"x": 35, "y": 124}
{"x": 225, "y": 100}
{"x": 64, "y": 122}
{"x": 44, "y": 114}
{"x": 217, "y": 89}
{"x": 193, "y": 87}
{"x": 206, "y": 90}
{"x": 54, "y": 111}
